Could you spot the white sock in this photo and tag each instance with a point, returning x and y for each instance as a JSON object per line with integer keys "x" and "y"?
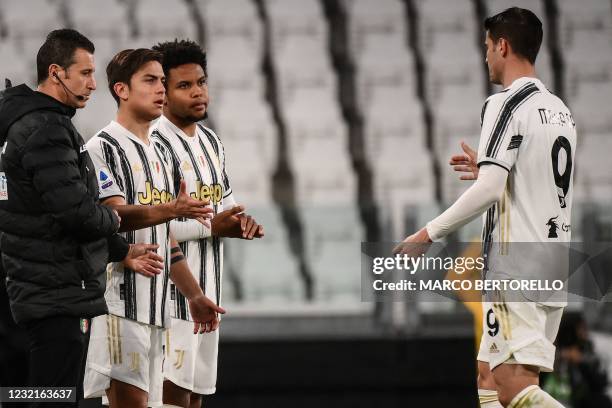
{"x": 488, "y": 399}
{"x": 534, "y": 396}
{"x": 170, "y": 406}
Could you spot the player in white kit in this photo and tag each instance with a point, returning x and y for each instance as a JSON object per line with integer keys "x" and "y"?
{"x": 197, "y": 156}
{"x": 125, "y": 356}
{"x": 523, "y": 174}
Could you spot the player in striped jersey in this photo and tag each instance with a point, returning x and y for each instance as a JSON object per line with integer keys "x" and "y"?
{"x": 198, "y": 157}
{"x": 524, "y": 177}
{"x": 126, "y": 346}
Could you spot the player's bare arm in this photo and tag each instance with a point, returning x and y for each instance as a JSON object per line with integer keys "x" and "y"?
{"x": 465, "y": 163}
{"x": 234, "y": 223}
{"x": 204, "y": 311}
{"x": 135, "y": 217}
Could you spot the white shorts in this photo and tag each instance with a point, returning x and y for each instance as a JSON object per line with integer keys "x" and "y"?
{"x": 127, "y": 351}
{"x": 191, "y": 359}
{"x": 519, "y": 333}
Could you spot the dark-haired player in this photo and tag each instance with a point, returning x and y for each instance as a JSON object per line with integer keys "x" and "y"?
{"x": 523, "y": 180}
{"x": 198, "y": 157}
{"x": 126, "y": 346}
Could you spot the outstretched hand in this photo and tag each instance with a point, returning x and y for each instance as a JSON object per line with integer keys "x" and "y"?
{"x": 465, "y": 163}
{"x": 414, "y": 245}
{"x": 205, "y": 314}
{"x": 185, "y": 206}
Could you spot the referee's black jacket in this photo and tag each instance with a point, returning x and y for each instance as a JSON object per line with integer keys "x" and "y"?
{"x": 55, "y": 235}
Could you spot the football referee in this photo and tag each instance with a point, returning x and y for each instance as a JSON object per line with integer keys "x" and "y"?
{"x": 55, "y": 238}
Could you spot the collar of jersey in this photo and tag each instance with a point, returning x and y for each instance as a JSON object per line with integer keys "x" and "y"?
{"x": 165, "y": 121}
{"x": 118, "y": 128}
{"x": 521, "y": 81}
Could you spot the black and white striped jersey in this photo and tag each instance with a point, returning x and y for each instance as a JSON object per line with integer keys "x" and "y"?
{"x": 531, "y": 133}
{"x": 200, "y": 161}
{"x": 128, "y": 167}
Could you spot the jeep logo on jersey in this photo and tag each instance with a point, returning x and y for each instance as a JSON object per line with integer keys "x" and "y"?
{"x": 553, "y": 227}
{"x": 204, "y": 192}
{"x": 153, "y": 196}
{"x": 105, "y": 181}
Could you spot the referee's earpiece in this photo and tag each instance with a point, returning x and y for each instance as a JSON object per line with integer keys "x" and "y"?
{"x": 79, "y": 97}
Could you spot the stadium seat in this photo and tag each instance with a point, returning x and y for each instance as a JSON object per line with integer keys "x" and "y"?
{"x": 238, "y": 8}
{"x": 387, "y": 100}
{"x": 302, "y": 62}
{"x": 366, "y": 8}
{"x": 384, "y": 60}
{"x": 231, "y": 18}
{"x": 583, "y": 16}
{"x": 307, "y": 104}
{"x": 594, "y": 47}
{"x": 593, "y": 172}
{"x": 100, "y": 110}
{"x": 228, "y": 99}
{"x": 266, "y": 268}
{"x": 20, "y": 70}
{"x": 106, "y": 49}
{"x": 253, "y": 125}
{"x": 395, "y": 123}
{"x": 406, "y": 168}
{"x": 333, "y": 246}
{"x": 295, "y": 18}
{"x": 536, "y": 6}
{"x": 99, "y": 18}
{"x": 591, "y": 108}
{"x": 153, "y": 18}
{"x": 467, "y": 68}
{"x": 585, "y": 42}
{"x": 233, "y": 59}
{"x": 437, "y": 17}
{"x": 323, "y": 173}
{"x": 27, "y": 18}
{"x": 251, "y": 182}
{"x": 387, "y": 18}
{"x": 544, "y": 69}
{"x": 248, "y": 155}
{"x": 280, "y": 9}
{"x": 458, "y": 109}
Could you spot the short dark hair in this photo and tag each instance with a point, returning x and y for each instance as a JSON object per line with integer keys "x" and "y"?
{"x": 59, "y": 48}
{"x": 521, "y": 28}
{"x": 180, "y": 52}
{"x": 125, "y": 64}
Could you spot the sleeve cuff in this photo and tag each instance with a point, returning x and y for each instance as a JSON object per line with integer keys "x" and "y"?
{"x": 431, "y": 231}
{"x": 206, "y": 232}
{"x": 500, "y": 163}
{"x": 111, "y": 194}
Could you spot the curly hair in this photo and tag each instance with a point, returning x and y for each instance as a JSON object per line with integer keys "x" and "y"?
{"x": 180, "y": 52}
